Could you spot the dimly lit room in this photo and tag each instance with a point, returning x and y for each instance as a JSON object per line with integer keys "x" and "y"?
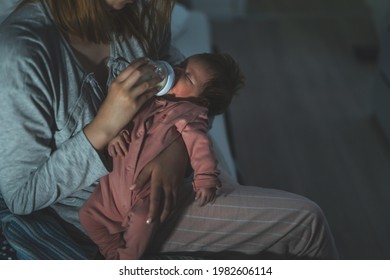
{"x": 312, "y": 118}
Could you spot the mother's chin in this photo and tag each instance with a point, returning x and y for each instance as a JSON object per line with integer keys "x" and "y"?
{"x": 118, "y": 4}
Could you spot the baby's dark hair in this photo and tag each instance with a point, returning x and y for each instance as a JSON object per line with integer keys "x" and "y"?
{"x": 226, "y": 81}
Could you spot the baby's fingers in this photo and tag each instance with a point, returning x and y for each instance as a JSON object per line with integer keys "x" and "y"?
{"x": 118, "y": 150}
{"x": 122, "y": 147}
{"x": 202, "y": 200}
{"x": 111, "y": 151}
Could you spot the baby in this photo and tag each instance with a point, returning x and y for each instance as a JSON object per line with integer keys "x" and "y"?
{"x": 114, "y": 216}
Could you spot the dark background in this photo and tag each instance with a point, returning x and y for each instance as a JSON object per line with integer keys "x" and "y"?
{"x": 305, "y": 121}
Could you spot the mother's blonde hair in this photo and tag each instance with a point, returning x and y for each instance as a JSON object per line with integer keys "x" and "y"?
{"x": 149, "y": 23}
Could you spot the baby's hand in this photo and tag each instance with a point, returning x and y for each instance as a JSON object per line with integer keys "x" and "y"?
{"x": 119, "y": 145}
{"x": 206, "y": 195}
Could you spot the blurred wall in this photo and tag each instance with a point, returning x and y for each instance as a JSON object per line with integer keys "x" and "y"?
{"x": 221, "y": 8}
{"x": 380, "y": 10}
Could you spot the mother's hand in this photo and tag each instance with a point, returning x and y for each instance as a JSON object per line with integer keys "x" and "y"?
{"x": 166, "y": 173}
{"x": 125, "y": 97}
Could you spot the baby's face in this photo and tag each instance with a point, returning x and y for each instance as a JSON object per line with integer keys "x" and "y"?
{"x": 191, "y": 77}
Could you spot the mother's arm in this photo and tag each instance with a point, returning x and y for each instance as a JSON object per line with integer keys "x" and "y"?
{"x": 34, "y": 172}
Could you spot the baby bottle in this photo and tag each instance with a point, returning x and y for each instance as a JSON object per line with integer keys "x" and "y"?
{"x": 164, "y": 70}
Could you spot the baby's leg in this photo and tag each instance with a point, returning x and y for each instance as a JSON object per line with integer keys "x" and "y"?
{"x": 138, "y": 233}
{"x": 103, "y": 225}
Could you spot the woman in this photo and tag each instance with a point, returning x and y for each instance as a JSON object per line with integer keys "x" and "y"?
{"x": 60, "y": 107}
